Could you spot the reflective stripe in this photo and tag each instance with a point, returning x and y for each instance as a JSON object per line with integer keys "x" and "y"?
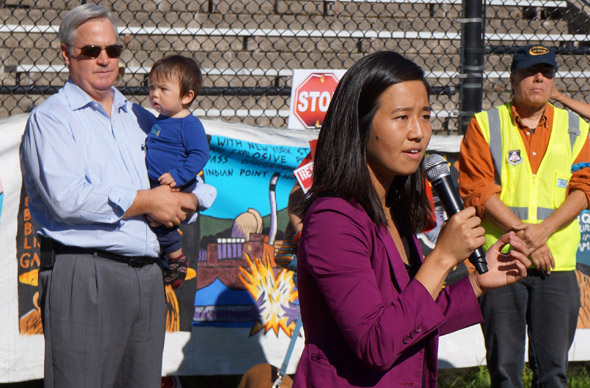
{"x": 521, "y": 212}
{"x": 574, "y": 127}
{"x": 496, "y": 142}
{"x": 543, "y": 213}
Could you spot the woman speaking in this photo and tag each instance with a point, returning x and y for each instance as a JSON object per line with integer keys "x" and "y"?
{"x": 372, "y": 306}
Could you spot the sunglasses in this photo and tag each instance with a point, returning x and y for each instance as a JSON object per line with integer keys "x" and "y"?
{"x": 92, "y": 51}
{"x": 548, "y": 72}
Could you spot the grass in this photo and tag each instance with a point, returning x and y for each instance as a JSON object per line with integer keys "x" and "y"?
{"x": 478, "y": 377}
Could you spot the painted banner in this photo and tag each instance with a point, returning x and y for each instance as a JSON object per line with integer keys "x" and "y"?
{"x": 239, "y": 304}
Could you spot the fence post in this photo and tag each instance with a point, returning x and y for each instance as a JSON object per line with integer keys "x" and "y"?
{"x": 471, "y": 74}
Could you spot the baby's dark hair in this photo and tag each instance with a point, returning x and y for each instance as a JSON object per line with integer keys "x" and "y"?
{"x": 186, "y": 69}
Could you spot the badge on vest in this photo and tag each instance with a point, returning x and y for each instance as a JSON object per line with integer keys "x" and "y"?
{"x": 514, "y": 157}
{"x": 562, "y": 183}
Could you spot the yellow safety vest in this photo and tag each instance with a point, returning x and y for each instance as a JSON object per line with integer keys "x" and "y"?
{"x": 533, "y": 197}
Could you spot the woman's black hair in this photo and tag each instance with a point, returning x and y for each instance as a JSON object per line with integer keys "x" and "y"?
{"x": 340, "y": 163}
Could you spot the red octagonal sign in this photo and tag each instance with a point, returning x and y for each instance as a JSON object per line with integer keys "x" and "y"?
{"x": 312, "y": 98}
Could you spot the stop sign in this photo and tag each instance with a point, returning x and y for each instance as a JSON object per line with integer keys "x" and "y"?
{"x": 312, "y": 98}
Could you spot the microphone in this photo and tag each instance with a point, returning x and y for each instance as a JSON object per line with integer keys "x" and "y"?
{"x": 438, "y": 174}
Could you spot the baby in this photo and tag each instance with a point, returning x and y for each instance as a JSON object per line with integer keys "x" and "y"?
{"x": 176, "y": 147}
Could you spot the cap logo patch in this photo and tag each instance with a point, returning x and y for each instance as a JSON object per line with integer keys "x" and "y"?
{"x": 538, "y": 50}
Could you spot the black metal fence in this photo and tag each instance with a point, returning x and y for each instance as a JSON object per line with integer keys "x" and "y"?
{"x": 249, "y": 48}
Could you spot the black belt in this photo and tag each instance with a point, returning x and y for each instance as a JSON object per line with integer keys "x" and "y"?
{"x": 50, "y": 248}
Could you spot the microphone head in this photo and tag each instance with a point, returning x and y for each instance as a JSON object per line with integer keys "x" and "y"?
{"x": 435, "y": 167}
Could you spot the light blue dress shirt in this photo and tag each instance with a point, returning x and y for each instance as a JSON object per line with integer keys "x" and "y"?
{"x": 82, "y": 170}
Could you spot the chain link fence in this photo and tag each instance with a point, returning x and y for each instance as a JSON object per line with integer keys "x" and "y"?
{"x": 249, "y": 48}
{"x": 561, "y": 25}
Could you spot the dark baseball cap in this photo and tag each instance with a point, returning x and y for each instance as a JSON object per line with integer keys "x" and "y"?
{"x": 532, "y": 55}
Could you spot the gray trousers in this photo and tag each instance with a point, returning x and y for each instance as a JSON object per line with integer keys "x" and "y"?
{"x": 103, "y": 322}
{"x": 544, "y": 307}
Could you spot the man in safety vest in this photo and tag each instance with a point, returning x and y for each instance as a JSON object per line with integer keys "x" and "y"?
{"x": 523, "y": 167}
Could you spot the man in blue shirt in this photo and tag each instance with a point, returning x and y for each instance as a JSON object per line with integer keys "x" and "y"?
{"x": 101, "y": 290}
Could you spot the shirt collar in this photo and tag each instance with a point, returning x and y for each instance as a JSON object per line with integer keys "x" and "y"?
{"x": 79, "y": 99}
{"x": 544, "y": 123}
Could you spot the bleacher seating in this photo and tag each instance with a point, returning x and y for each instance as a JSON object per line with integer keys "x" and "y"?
{"x": 247, "y": 46}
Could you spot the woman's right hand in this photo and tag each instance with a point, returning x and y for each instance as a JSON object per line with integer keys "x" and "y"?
{"x": 459, "y": 237}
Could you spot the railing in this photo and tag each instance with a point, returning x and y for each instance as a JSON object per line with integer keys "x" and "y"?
{"x": 249, "y": 48}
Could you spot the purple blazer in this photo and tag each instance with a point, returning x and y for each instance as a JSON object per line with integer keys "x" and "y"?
{"x": 366, "y": 323}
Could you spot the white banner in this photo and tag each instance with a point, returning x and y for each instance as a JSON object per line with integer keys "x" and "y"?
{"x": 219, "y": 321}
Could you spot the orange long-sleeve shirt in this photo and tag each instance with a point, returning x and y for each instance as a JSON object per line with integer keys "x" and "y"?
{"x": 476, "y": 168}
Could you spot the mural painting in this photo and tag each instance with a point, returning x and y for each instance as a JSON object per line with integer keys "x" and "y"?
{"x": 239, "y": 252}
